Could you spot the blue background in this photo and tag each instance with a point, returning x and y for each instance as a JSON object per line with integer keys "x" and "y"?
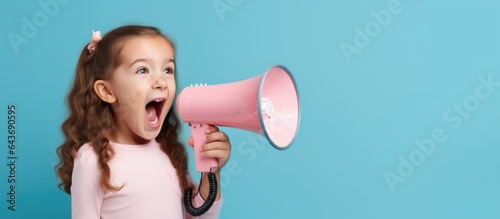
{"x": 361, "y": 113}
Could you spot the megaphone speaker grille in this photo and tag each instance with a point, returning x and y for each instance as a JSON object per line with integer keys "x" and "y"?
{"x": 279, "y": 104}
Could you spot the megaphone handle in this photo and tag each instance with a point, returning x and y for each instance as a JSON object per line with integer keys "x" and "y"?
{"x": 203, "y": 164}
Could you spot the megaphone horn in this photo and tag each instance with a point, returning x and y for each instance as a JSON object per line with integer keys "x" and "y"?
{"x": 267, "y": 104}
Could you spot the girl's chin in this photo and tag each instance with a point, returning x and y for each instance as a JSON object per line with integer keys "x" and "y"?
{"x": 151, "y": 134}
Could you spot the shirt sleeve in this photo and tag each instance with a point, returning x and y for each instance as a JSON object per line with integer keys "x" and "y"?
{"x": 86, "y": 193}
{"x": 212, "y": 213}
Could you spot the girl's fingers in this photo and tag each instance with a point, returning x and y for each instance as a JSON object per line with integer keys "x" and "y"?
{"x": 217, "y": 137}
{"x": 212, "y": 129}
{"x": 217, "y": 153}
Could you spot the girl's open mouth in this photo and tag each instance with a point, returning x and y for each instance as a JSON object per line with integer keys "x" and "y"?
{"x": 153, "y": 111}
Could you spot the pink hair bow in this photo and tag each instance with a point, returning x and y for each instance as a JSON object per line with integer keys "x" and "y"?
{"x": 96, "y": 37}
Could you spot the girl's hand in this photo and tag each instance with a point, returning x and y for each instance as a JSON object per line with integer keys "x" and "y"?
{"x": 218, "y": 146}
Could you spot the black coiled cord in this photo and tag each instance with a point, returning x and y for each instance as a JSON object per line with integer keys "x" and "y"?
{"x": 212, "y": 195}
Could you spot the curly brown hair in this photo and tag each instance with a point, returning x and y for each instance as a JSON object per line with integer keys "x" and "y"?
{"x": 90, "y": 119}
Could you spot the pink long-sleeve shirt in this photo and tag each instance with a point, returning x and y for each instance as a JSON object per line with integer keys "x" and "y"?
{"x": 150, "y": 186}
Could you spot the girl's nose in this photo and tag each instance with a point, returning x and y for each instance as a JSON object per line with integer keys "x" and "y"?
{"x": 160, "y": 83}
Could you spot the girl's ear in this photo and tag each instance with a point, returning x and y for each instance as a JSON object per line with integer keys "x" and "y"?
{"x": 104, "y": 92}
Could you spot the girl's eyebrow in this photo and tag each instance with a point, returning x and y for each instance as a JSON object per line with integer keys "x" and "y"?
{"x": 149, "y": 60}
{"x": 171, "y": 60}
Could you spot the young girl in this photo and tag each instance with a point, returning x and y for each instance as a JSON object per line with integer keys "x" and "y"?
{"x": 122, "y": 157}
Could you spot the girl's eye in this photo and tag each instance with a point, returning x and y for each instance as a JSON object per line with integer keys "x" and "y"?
{"x": 168, "y": 71}
{"x": 141, "y": 71}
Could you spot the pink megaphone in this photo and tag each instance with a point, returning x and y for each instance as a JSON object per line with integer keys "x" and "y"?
{"x": 267, "y": 104}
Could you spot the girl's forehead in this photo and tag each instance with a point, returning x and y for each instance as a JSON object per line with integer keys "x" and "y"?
{"x": 146, "y": 47}
{"x": 138, "y": 43}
